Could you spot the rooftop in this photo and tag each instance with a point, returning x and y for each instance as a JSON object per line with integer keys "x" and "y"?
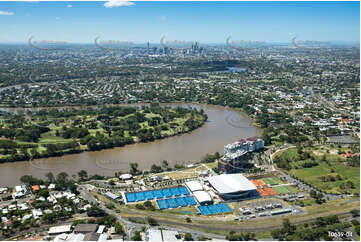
{"x": 231, "y": 183}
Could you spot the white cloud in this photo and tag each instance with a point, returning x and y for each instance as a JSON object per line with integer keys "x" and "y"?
{"x": 69, "y": 6}
{"x": 117, "y": 3}
{"x": 163, "y": 18}
{"x": 6, "y": 13}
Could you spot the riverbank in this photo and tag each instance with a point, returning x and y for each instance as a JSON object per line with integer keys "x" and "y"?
{"x": 221, "y": 128}
{"x": 74, "y": 131}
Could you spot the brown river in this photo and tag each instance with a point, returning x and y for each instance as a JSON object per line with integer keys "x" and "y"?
{"x": 224, "y": 126}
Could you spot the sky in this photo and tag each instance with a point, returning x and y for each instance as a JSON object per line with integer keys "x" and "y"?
{"x": 205, "y": 22}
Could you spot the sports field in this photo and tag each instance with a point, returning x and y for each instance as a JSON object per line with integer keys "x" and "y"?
{"x": 272, "y": 181}
{"x": 281, "y": 190}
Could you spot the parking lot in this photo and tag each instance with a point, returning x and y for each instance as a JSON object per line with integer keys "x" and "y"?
{"x": 260, "y": 208}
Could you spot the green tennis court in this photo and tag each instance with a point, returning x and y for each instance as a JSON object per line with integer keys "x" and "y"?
{"x": 272, "y": 181}
{"x": 281, "y": 190}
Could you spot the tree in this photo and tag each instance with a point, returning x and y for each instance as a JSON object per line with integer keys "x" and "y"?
{"x": 151, "y": 221}
{"x": 49, "y": 218}
{"x": 119, "y": 229}
{"x": 28, "y": 179}
{"x": 355, "y": 212}
{"x": 188, "y": 220}
{"x": 155, "y": 169}
{"x": 134, "y": 168}
{"x": 136, "y": 236}
{"x": 95, "y": 212}
{"x": 83, "y": 175}
{"x": 62, "y": 177}
{"x": 203, "y": 238}
{"x": 165, "y": 164}
{"x": 188, "y": 237}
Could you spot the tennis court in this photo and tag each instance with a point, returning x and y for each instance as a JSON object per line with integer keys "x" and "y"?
{"x": 214, "y": 209}
{"x": 271, "y": 181}
{"x": 176, "y": 202}
{"x": 263, "y": 189}
{"x": 284, "y": 190}
{"x": 157, "y": 194}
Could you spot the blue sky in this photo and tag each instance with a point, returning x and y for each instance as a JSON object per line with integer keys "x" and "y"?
{"x": 206, "y": 22}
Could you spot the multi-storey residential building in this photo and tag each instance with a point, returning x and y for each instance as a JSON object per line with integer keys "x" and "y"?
{"x": 235, "y": 158}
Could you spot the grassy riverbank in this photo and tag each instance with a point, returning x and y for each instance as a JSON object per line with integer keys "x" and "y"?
{"x": 54, "y": 132}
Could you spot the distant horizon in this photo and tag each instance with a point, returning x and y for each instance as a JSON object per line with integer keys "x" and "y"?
{"x": 205, "y": 22}
{"x": 200, "y": 43}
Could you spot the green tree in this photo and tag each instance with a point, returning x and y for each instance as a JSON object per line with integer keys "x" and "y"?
{"x": 83, "y": 175}
{"x": 136, "y": 236}
{"x": 188, "y": 237}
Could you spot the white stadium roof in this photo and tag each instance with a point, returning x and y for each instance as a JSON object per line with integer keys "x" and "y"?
{"x": 231, "y": 183}
{"x": 194, "y": 186}
{"x": 202, "y": 196}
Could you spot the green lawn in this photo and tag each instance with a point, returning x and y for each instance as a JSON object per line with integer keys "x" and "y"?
{"x": 335, "y": 165}
{"x": 311, "y": 175}
{"x": 285, "y": 189}
{"x": 272, "y": 181}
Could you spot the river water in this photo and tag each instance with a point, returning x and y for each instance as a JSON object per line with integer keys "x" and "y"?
{"x": 224, "y": 126}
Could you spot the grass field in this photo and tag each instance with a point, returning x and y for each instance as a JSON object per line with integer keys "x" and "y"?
{"x": 281, "y": 190}
{"x": 272, "y": 181}
{"x": 335, "y": 165}
{"x": 311, "y": 175}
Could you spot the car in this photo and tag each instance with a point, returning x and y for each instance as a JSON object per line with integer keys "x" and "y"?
{"x": 247, "y": 212}
{"x": 269, "y": 206}
{"x": 277, "y": 205}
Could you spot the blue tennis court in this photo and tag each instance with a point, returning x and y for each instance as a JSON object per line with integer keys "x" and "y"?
{"x": 204, "y": 210}
{"x": 176, "y": 202}
{"x": 167, "y": 192}
{"x": 175, "y": 191}
{"x": 214, "y": 209}
{"x": 162, "y": 204}
{"x": 183, "y": 190}
{"x": 224, "y": 208}
{"x": 172, "y": 203}
{"x": 149, "y": 195}
{"x": 140, "y": 196}
{"x": 157, "y": 194}
{"x": 130, "y": 197}
{"x": 190, "y": 201}
{"x": 181, "y": 202}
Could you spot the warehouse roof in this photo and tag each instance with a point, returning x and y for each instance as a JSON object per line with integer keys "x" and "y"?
{"x": 60, "y": 229}
{"x": 194, "y": 186}
{"x": 85, "y": 228}
{"x": 75, "y": 237}
{"x": 91, "y": 237}
{"x": 111, "y": 195}
{"x": 231, "y": 183}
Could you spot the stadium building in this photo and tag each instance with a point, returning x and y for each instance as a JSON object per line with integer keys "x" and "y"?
{"x": 233, "y": 186}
